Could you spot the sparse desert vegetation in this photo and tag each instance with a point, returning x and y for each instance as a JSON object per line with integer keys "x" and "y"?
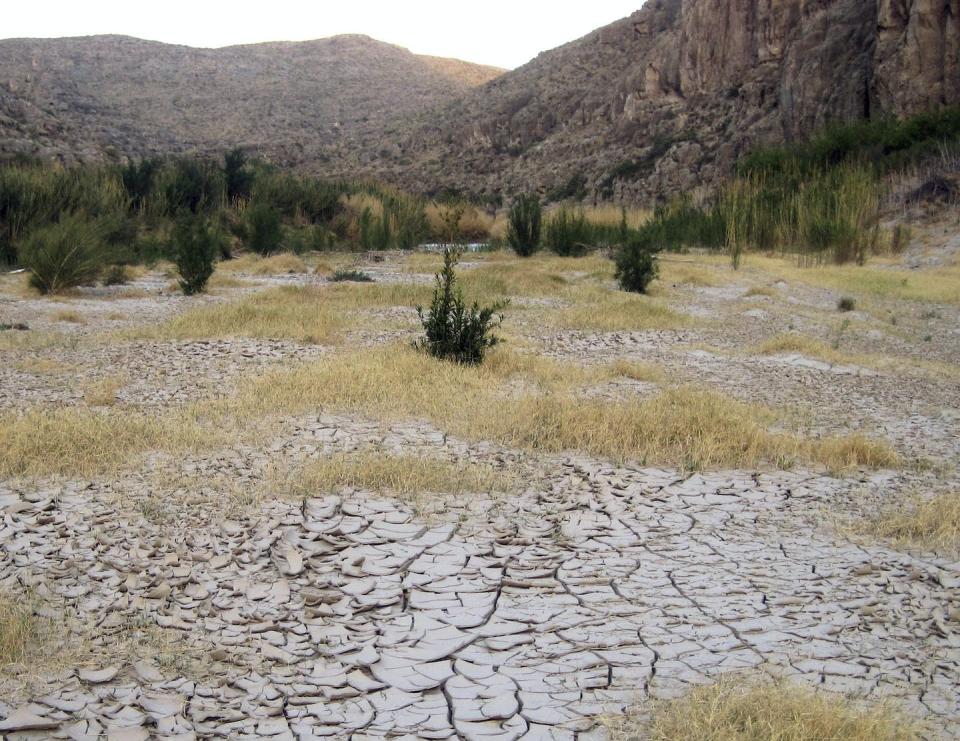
{"x": 281, "y": 453}
{"x": 742, "y": 709}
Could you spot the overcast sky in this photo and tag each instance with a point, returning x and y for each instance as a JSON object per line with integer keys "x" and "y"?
{"x": 505, "y": 33}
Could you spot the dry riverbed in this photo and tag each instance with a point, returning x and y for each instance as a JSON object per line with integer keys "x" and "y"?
{"x": 260, "y": 514}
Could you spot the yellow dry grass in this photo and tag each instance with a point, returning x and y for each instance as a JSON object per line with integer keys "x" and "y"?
{"x": 768, "y": 291}
{"x": 415, "y": 479}
{"x": 738, "y": 709}
{"x": 103, "y": 392}
{"x": 932, "y": 524}
{"x": 612, "y": 215}
{"x": 283, "y": 263}
{"x": 22, "y": 634}
{"x": 637, "y": 371}
{"x": 68, "y": 315}
{"x": 606, "y": 311}
{"x": 794, "y": 342}
{"x": 474, "y": 223}
{"x": 42, "y": 366}
{"x": 299, "y": 313}
{"x": 880, "y": 279}
{"x": 687, "y": 427}
{"x": 83, "y": 442}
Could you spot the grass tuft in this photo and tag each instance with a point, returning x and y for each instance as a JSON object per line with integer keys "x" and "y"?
{"x": 735, "y": 709}
{"x": 932, "y": 524}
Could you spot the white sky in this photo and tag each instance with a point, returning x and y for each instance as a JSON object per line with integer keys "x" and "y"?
{"x": 505, "y": 33}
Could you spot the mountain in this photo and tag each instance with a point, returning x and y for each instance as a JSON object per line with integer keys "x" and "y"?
{"x": 87, "y": 98}
{"x": 658, "y": 103}
{"x": 666, "y": 99}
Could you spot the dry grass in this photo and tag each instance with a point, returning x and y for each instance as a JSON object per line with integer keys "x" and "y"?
{"x": 103, "y": 392}
{"x": 68, "y": 315}
{"x": 687, "y": 427}
{"x": 877, "y": 280}
{"x": 768, "y": 291}
{"x": 43, "y": 366}
{"x": 635, "y": 371}
{"x": 697, "y": 272}
{"x": 417, "y": 480}
{"x": 932, "y": 524}
{"x": 611, "y": 215}
{"x": 738, "y": 709}
{"x": 22, "y": 634}
{"x": 794, "y": 342}
{"x": 219, "y": 280}
{"x": 83, "y": 442}
{"x": 283, "y": 263}
{"x": 604, "y": 311}
{"x": 300, "y": 313}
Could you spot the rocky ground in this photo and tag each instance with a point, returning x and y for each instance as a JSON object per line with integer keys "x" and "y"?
{"x": 189, "y": 599}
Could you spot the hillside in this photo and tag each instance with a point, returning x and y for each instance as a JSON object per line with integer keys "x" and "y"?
{"x": 666, "y": 99}
{"x": 660, "y": 102}
{"x": 87, "y": 97}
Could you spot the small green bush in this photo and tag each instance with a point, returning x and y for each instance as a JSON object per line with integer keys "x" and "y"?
{"x": 63, "y": 255}
{"x": 526, "y": 218}
{"x": 261, "y": 230}
{"x": 196, "y": 244}
{"x": 569, "y": 234}
{"x": 453, "y": 330}
{"x": 636, "y": 265}
{"x": 846, "y": 304}
{"x": 350, "y": 276}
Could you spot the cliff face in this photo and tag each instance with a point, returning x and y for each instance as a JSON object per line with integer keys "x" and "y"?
{"x": 666, "y": 99}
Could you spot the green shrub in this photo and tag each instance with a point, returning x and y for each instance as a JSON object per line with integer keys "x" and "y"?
{"x": 238, "y": 179}
{"x": 190, "y": 185}
{"x": 63, "y": 255}
{"x": 350, "y": 276}
{"x": 453, "y": 330}
{"x": 569, "y": 234}
{"x": 138, "y": 181}
{"x": 261, "y": 230}
{"x": 196, "y": 244}
{"x": 846, "y": 304}
{"x": 636, "y": 265}
{"x": 525, "y": 219}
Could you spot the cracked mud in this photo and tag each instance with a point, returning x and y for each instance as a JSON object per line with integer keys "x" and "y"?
{"x": 354, "y": 615}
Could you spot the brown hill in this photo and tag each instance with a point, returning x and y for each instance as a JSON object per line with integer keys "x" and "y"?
{"x": 659, "y": 102}
{"x": 86, "y": 97}
{"x": 666, "y": 99}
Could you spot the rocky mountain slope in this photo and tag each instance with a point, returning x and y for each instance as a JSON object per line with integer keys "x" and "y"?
{"x": 666, "y": 99}
{"x": 112, "y": 95}
{"x": 659, "y": 102}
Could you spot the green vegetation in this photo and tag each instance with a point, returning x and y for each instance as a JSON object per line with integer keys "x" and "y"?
{"x": 569, "y": 234}
{"x": 525, "y": 225}
{"x": 64, "y": 255}
{"x": 350, "y": 276}
{"x": 636, "y": 263}
{"x": 453, "y": 330}
{"x": 197, "y": 244}
{"x": 821, "y": 198}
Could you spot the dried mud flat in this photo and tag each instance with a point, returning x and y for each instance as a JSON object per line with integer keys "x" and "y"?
{"x": 187, "y": 607}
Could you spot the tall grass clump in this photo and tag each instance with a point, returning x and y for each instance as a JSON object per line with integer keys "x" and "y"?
{"x": 452, "y": 329}
{"x": 568, "y": 233}
{"x": 64, "y": 255}
{"x": 525, "y": 223}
